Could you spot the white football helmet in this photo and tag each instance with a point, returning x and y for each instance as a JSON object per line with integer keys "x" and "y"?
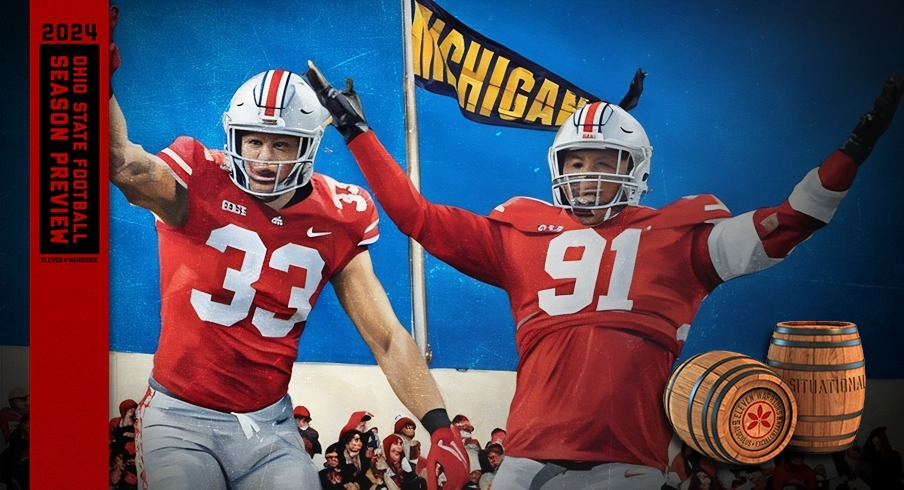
{"x": 280, "y": 102}
{"x": 599, "y": 126}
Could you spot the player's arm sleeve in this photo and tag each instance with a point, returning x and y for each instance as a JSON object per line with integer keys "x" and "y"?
{"x": 144, "y": 179}
{"x": 762, "y": 238}
{"x": 464, "y": 240}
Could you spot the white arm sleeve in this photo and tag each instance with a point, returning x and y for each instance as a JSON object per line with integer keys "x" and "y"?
{"x": 811, "y": 198}
{"x": 735, "y": 248}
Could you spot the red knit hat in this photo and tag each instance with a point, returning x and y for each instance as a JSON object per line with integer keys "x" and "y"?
{"x": 301, "y": 412}
{"x": 126, "y": 405}
{"x": 388, "y": 441}
{"x": 353, "y": 421}
{"x": 401, "y": 423}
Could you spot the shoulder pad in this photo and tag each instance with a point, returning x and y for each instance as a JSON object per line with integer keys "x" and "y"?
{"x": 185, "y": 154}
{"x": 533, "y": 216}
{"x": 701, "y": 208}
{"x": 353, "y": 204}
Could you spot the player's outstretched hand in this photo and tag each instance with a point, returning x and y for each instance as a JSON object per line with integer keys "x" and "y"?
{"x": 872, "y": 124}
{"x": 345, "y": 106}
{"x": 114, "y": 49}
{"x": 447, "y": 450}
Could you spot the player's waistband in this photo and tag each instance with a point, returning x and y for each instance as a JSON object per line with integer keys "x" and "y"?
{"x": 574, "y": 465}
{"x": 274, "y": 409}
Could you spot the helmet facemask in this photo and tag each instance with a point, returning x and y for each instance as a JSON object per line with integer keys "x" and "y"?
{"x": 587, "y": 191}
{"x": 302, "y": 165}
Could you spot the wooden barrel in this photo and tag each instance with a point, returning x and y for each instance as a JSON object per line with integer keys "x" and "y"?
{"x": 730, "y": 407}
{"x": 822, "y": 363}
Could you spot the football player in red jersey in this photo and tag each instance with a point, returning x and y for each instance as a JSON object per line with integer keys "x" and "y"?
{"x": 602, "y": 290}
{"x": 248, "y": 237}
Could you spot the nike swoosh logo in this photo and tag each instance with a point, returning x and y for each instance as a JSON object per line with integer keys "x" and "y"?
{"x": 629, "y": 473}
{"x": 315, "y": 234}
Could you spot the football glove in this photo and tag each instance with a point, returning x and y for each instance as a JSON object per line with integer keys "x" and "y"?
{"x": 872, "y": 124}
{"x": 446, "y": 450}
{"x": 345, "y": 106}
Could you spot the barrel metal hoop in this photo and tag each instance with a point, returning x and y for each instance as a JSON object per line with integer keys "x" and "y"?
{"x": 821, "y": 331}
{"x": 823, "y": 438}
{"x": 817, "y": 367}
{"x": 817, "y": 345}
{"x": 829, "y": 418}
{"x": 674, "y": 378}
{"x": 693, "y": 394}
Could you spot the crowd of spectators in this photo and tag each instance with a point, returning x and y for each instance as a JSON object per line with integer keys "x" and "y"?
{"x": 359, "y": 459}
{"x": 875, "y": 466}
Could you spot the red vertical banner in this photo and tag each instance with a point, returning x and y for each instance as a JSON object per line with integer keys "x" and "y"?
{"x": 68, "y": 248}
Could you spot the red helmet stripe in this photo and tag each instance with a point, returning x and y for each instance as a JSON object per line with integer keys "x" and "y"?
{"x": 590, "y": 116}
{"x": 274, "y": 89}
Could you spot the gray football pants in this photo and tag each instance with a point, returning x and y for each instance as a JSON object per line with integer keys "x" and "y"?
{"x": 181, "y": 446}
{"x": 527, "y": 474}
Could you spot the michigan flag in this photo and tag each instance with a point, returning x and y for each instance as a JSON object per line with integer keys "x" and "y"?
{"x": 493, "y": 84}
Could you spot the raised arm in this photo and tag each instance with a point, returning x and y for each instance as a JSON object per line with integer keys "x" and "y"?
{"x": 142, "y": 177}
{"x": 460, "y": 238}
{"x": 759, "y": 239}
{"x": 364, "y": 299}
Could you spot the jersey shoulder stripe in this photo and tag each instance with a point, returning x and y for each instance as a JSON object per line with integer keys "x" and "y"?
{"x": 185, "y": 154}
{"x": 692, "y": 210}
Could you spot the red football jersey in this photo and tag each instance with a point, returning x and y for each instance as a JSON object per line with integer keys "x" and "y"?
{"x": 239, "y": 278}
{"x": 601, "y": 313}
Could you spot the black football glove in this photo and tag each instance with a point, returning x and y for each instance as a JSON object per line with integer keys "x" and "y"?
{"x": 345, "y": 106}
{"x": 872, "y": 124}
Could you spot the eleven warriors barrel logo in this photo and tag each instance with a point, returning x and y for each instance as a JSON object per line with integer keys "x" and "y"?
{"x": 757, "y": 419}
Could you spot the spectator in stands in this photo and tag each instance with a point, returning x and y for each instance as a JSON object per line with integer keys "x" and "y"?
{"x": 847, "y": 463}
{"x": 396, "y": 471}
{"x": 467, "y": 430}
{"x": 495, "y": 454}
{"x": 309, "y": 435}
{"x": 335, "y": 475}
{"x": 741, "y": 477}
{"x": 405, "y": 428}
{"x": 10, "y": 416}
{"x": 122, "y": 470}
{"x": 699, "y": 480}
{"x": 122, "y": 428}
{"x": 370, "y": 439}
{"x": 352, "y": 456}
{"x": 790, "y": 469}
{"x": 688, "y": 461}
{"x": 497, "y": 436}
{"x": 881, "y": 465}
{"x": 473, "y": 480}
{"x": 401, "y": 471}
{"x": 14, "y": 460}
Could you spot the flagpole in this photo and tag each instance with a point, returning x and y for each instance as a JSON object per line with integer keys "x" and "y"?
{"x": 415, "y": 250}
